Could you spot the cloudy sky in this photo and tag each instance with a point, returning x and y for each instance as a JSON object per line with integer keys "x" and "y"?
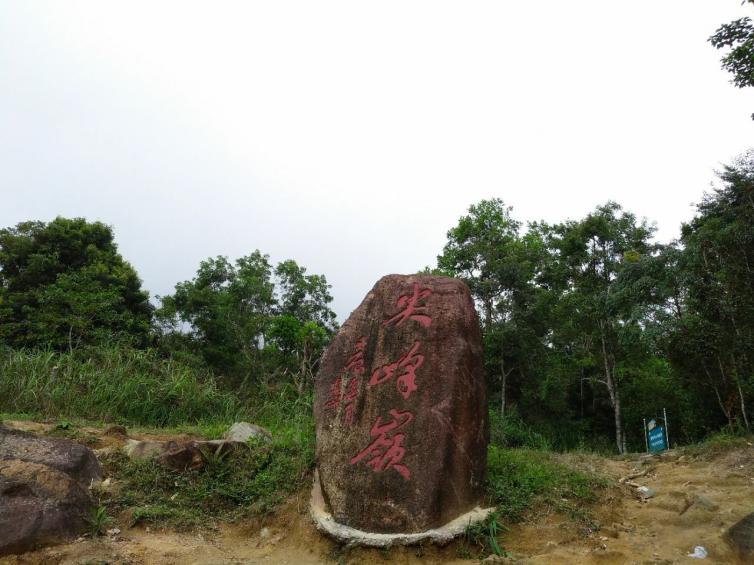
{"x": 350, "y": 136}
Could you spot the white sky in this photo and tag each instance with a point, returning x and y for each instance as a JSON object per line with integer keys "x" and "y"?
{"x": 350, "y": 136}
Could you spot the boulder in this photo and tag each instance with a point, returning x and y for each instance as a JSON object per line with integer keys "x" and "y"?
{"x": 741, "y": 537}
{"x": 243, "y": 431}
{"x": 69, "y": 457}
{"x": 400, "y": 409}
{"x": 44, "y": 495}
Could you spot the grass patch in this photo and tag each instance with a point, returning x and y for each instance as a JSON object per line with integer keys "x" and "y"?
{"x": 244, "y": 483}
{"x": 718, "y": 444}
{"x": 519, "y": 479}
{"x": 113, "y": 384}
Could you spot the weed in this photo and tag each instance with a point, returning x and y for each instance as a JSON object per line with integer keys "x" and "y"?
{"x": 98, "y": 520}
{"x": 484, "y": 535}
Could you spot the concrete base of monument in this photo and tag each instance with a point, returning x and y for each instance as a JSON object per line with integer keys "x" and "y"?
{"x": 351, "y": 536}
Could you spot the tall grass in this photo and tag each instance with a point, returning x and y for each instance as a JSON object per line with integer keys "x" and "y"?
{"x": 112, "y": 384}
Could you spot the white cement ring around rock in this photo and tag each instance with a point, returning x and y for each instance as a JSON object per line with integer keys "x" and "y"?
{"x": 354, "y": 537}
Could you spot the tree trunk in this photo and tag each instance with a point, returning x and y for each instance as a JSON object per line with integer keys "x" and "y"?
{"x": 719, "y": 398}
{"x": 503, "y": 381}
{"x": 743, "y": 407}
{"x": 612, "y": 389}
{"x": 487, "y": 314}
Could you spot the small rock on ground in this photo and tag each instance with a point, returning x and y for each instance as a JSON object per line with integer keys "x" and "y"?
{"x": 243, "y": 431}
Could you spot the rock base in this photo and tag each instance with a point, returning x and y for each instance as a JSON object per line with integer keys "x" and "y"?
{"x": 354, "y": 537}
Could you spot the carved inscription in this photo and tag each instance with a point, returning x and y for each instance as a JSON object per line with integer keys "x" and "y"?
{"x": 386, "y": 451}
{"x": 411, "y": 308}
{"x": 337, "y": 395}
{"x": 405, "y": 368}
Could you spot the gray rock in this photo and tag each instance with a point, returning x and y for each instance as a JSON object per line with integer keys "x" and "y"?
{"x": 69, "y": 457}
{"x": 704, "y": 502}
{"x": 243, "y": 431}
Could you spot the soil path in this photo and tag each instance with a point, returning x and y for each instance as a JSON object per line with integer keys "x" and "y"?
{"x": 696, "y": 498}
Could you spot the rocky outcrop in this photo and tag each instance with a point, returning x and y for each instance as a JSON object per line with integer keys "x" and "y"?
{"x": 44, "y": 494}
{"x": 400, "y": 409}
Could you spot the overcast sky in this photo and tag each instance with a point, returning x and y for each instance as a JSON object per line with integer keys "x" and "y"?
{"x": 350, "y": 136}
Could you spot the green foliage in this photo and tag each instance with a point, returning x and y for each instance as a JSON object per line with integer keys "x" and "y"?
{"x": 711, "y": 343}
{"x": 484, "y": 536}
{"x": 248, "y": 321}
{"x": 562, "y": 307}
{"x": 242, "y": 483}
{"x": 98, "y": 520}
{"x": 519, "y": 479}
{"x": 114, "y": 384}
{"x": 719, "y": 443}
{"x": 511, "y": 431}
{"x": 64, "y": 285}
{"x": 484, "y": 250}
{"x": 589, "y": 326}
{"x": 739, "y": 36}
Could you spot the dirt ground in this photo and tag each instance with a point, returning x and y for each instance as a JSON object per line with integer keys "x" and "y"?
{"x": 696, "y": 498}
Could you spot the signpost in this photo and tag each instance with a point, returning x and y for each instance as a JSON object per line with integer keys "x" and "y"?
{"x": 656, "y": 436}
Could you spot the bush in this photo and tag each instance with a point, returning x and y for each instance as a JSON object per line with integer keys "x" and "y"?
{"x": 511, "y": 431}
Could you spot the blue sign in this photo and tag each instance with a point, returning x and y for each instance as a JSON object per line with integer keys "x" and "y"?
{"x": 656, "y": 437}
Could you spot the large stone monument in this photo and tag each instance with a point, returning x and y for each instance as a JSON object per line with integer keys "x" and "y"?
{"x": 401, "y": 416}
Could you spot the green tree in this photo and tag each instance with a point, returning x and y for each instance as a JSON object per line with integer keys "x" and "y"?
{"x": 480, "y": 251}
{"x": 719, "y": 270}
{"x": 595, "y": 260}
{"x": 249, "y": 321}
{"x": 486, "y": 250}
{"x": 63, "y": 284}
{"x": 737, "y": 35}
{"x": 224, "y": 311}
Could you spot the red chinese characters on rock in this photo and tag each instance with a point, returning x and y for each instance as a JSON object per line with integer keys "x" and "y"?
{"x": 411, "y": 308}
{"x": 386, "y": 451}
{"x": 337, "y": 395}
{"x": 355, "y": 363}
{"x": 405, "y": 367}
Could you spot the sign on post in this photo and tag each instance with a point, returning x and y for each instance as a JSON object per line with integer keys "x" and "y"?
{"x": 656, "y": 436}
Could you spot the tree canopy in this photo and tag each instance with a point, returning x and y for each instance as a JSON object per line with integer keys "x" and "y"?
{"x": 247, "y": 320}
{"x": 738, "y": 37}
{"x": 63, "y": 284}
